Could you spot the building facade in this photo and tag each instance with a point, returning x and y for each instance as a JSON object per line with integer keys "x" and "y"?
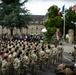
{"x": 34, "y": 27}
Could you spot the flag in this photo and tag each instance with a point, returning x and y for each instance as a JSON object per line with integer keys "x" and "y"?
{"x": 74, "y": 8}
{"x": 63, "y": 8}
{"x": 57, "y": 34}
{"x": 59, "y": 12}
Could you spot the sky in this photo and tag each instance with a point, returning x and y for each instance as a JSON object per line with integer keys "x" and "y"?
{"x": 40, "y": 7}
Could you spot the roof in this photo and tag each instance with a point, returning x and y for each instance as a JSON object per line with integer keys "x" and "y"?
{"x": 37, "y": 19}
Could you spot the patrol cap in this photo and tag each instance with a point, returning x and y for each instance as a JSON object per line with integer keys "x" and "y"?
{"x": 27, "y": 53}
{"x": 60, "y": 43}
{"x": 23, "y": 48}
{"x": 74, "y": 47}
{"x": 9, "y": 49}
{"x": 0, "y": 42}
{"x": 52, "y": 46}
{"x": 5, "y": 56}
{"x": 11, "y": 52}
{"x": 1, "y": 52}
{"x": 9, "y": 56}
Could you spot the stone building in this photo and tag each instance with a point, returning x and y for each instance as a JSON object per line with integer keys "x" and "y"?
{"x": 34, "y": 28}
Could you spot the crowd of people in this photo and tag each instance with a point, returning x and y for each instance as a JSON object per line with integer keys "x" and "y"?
{"x": 22, "y": 57}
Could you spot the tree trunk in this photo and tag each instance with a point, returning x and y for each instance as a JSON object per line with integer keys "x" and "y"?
{"x": 20, "y": 31}
{"x": 2, "y": 29}
{"x": 11, "y": 30}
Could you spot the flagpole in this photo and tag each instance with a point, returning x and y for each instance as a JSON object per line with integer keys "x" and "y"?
{"x": 64, "y": 25}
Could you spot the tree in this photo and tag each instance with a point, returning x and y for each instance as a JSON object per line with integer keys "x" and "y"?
{"x": 53, "y": 22}
{"x": 70, "y": 19}
{"x": 13, "y": 14}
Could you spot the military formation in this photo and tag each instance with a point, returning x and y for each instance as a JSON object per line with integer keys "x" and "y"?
{"x": 20, "y": 57}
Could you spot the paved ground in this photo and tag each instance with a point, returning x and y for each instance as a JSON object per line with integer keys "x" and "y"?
{"x": 68, "y": 47}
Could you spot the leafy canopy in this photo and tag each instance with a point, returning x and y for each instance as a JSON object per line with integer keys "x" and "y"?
{"x": 53, "y": 22}
{"x": 14, "y": 14}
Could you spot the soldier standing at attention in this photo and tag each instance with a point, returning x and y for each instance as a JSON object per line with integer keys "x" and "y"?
{"x": 60, "y": 53}
{"x": 26, "y": 62}
{"x": 54, "y": 55}
{"x": 42, "y": 59}
{"x": 10, "y": 60}
{"x": 1, "y": 62}
{"x": 34, "y": 59}
{"x": 5, "y": 65}
{"x": 16, "y": 64}
{"x": 47, "y": 55}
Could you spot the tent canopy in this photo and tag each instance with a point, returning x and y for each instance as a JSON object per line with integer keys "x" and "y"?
{"x": 44, "y": 30}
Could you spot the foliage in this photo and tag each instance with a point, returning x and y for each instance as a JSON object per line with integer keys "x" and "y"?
{"x": 53, "y": 22}
{"x": 53, "y": 11}
{"x": 70, "y": 19}
{"x": 13, "y": 14}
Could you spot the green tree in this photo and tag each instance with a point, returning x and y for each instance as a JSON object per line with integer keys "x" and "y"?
{"x": 53, "y": 22}
{"x": 13, "y": 14}
{"x": 70, "y": 19}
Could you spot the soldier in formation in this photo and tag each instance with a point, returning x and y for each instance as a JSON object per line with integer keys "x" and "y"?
{"x": 16, "y": 64}
{"x": 54, "y": 55}
{"x": 22, "y": 57}
{"x": 60, "y": 53}
{"x": 47, "y": 55}
{"x": 26, "y": 62}
{"x": 34, "y": 59}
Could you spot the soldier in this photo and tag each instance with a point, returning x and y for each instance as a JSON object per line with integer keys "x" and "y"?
{"x": 47, "y": 55}
{"x": 5, "y": 65}
{"x": 74, "y": 54}
{"x": 10, "y": 64}
{"x": 1, "y": 62}
{"x": 16, "y": 64}
{"x": 34, "y": 62}
{"x": 60, "y": 53}
{"x": 54, "y": 55}
{"x": 42, "y": 59}
{"x": 26, "y": 61}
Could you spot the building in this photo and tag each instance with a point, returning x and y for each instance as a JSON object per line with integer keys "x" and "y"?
{"x": 34, "y": 28}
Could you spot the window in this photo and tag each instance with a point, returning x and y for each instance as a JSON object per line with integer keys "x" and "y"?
{"x": 36, "y": 21}
{"x": 31, "y": 21}
{"x": 36, "y": 30}
{"x": 31, "y": 30}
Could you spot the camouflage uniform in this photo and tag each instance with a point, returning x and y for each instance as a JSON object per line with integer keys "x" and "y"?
{"x": 47, "y": 55}
{"x": 0, "y": 65}
{"x": 16, "y": 64}
{"x": 42, "y": 59}
{"x": 25, "y": 61}
{"x": 10, "y": 64}
{"x": 4, "y": 67}
{"x": 33, "y": 63}
{"x": 60, "y": 53}
{"x": 54, "y": 56}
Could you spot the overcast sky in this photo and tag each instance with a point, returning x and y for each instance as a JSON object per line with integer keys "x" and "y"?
{"x": 39, "y": 7}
